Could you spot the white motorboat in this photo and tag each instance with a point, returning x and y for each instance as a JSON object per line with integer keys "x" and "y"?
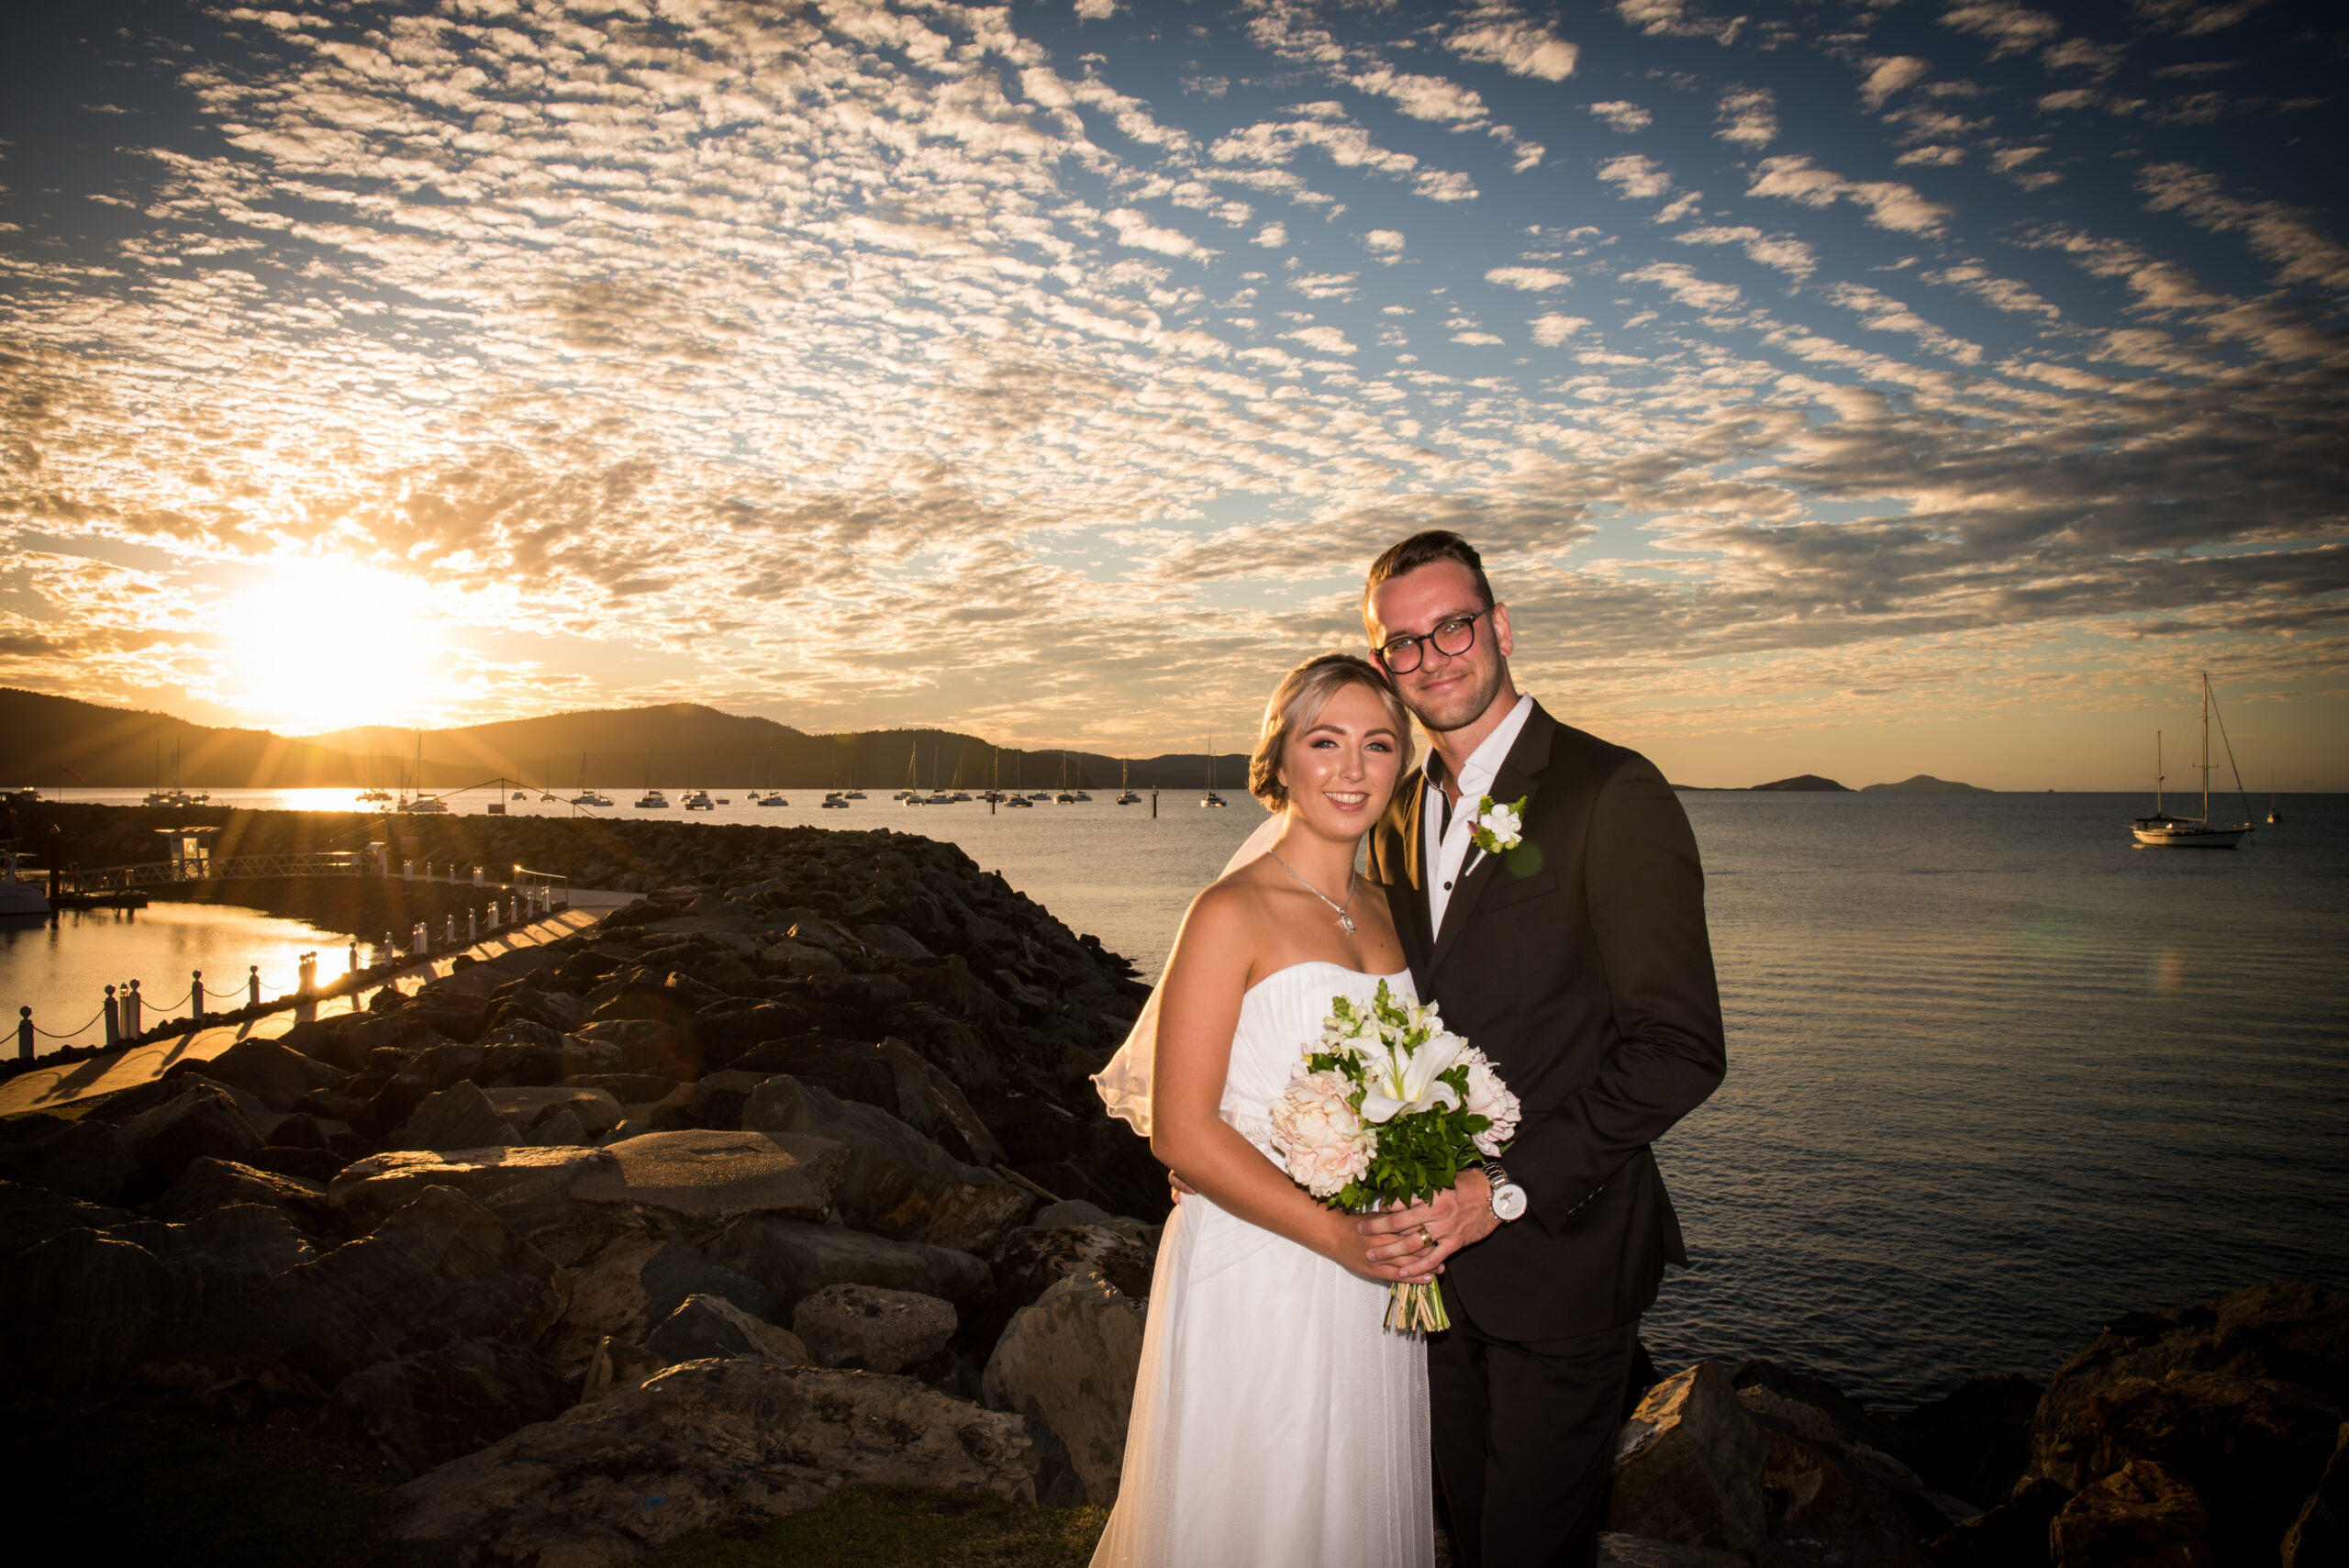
{"x": 698, "y": 800}
{"x": 2161, "y": 830}
{"x": 652, "y": 800}
{"x": 18, "y": 897}
{"x": 774, "y": 799}
{"x": 834, "y": 801}
{"x": 1022, "y": 802}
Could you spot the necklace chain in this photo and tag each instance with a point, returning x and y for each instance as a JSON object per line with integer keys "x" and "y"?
{"x": 1345, "y": 922}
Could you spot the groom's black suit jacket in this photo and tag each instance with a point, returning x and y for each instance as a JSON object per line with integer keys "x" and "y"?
{"x": 1579, "y": 964}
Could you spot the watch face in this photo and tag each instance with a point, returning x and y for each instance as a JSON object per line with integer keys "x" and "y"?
{"x": 1509, "y": 1202}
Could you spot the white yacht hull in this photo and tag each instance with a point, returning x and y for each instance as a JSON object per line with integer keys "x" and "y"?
{"x": 2191, "y": 836}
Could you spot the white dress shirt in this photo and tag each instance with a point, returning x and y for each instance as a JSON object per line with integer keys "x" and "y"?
{"x": 1447, "y": 842}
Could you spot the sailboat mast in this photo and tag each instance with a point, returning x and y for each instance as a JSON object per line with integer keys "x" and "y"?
{"x": 2157, "y": 773}
{"x": 2205, "y": 746}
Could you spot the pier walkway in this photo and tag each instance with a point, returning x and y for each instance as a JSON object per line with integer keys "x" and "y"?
{"x": 51, "y": 1088}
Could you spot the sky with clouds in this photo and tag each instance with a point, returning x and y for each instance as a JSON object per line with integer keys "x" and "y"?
{"x": 1861, "y": 388}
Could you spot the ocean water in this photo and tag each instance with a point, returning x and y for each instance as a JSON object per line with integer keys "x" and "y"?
{"x": 1996, "y": 1074}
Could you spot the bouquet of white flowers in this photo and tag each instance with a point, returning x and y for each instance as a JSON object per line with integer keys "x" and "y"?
{"x": 1384, "y": 1110}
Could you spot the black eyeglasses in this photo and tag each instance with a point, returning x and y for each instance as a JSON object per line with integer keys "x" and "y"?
{"x": 1451, "y": 638}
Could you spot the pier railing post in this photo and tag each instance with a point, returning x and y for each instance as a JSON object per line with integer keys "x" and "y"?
{"x": 196, "y": 996}
{"x": 113, "y": 1015}
{"x": 407, "y": 871}
{"x": 24, "y": 1034}
{"x": 420, "y": 942}
{"x": 133, "y": 1024}
{"x": 449, "y": 930}
{"x": 473, "y": 926}
{"x": 252, "y": 985}
{"x": 477, "y": 882}
{"x": 354, "y": 955}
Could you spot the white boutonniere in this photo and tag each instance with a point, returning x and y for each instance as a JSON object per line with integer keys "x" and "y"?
{"x": 1499, "y": 828}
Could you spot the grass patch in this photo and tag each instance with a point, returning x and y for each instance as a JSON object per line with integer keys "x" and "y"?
{"x": 101, "y": 1490}
{"x": 902, "y": 1527}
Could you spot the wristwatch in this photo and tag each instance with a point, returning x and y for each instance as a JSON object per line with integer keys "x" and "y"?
{"x": 1508, "y": 1198}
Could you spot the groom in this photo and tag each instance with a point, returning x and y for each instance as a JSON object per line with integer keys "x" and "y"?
{"x": 1577, "y": 961}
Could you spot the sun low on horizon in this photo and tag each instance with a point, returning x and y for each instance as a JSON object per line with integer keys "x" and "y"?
{"x": 1845, "y": 387}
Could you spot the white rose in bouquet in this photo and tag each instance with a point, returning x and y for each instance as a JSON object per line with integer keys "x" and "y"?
{"x": 1490, "y": 1099}
{"x": 1317, "y": 1130}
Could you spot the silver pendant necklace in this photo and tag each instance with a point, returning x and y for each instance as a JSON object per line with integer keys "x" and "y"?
{"x": 1345, "y": 922}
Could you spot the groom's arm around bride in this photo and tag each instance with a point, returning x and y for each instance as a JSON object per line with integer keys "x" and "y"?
{"x": 1578, "y": 959}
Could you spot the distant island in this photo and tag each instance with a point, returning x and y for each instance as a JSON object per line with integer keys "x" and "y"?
{"x": 1810, "y": 782}
{"x": 1925, "y": 784}
{"x": 53, "y": 741}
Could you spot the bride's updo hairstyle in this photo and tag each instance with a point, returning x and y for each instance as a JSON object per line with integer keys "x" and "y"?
{"x": 1296, "y": 705}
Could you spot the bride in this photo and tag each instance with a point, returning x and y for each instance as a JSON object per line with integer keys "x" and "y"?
{"x": 1276, "y": 1421}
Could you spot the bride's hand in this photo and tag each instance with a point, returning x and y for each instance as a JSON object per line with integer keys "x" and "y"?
{"x": 1354, "y": 1252}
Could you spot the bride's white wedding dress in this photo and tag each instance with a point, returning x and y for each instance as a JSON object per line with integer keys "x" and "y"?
{"x": 1276, "y": 1421}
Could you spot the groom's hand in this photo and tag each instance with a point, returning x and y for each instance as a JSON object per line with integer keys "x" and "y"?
{"x": 1422, "y": 1236}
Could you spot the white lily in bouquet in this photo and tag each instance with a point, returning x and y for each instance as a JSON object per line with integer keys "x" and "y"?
{"x": 1385, "y": 1109}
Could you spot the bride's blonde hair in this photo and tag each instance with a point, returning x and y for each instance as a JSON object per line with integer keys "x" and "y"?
{"x": 1297, "y": 702}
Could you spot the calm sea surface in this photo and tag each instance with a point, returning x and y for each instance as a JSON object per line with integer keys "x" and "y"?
{"x": 1995, "y": 1075}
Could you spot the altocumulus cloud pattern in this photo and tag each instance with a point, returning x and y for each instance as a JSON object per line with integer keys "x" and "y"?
{"x": 1056, "y": 368}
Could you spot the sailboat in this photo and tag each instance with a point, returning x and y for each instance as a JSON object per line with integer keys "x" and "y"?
{"x": 651, "y": 799}
{"x": 1126, "y": 796}
{"x": 587, "y": 796}
{"x": 1211, "y": 798}
{"x": 423, "y": 805}
{"x": 2160, "y": 830}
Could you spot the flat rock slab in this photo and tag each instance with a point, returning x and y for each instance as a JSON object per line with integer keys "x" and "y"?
{"x": 702, "y": 1178}
{"x": 530, "y": 1189}
{"x": 709, "y": 1445}
{"x": 796, "y": 1260}
{"x": 880, "y": 1331}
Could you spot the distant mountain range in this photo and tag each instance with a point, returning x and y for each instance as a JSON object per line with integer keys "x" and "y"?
{"x": 676, "y": 744}
{"x": 1923, "y": 783}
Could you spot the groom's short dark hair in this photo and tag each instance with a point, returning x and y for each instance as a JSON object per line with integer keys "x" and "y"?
{"x": 1424, "y": 549}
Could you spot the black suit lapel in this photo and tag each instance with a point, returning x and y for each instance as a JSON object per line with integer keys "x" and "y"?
{"x": 1520, "y": 775}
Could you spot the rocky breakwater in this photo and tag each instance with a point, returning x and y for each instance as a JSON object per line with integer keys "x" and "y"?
{"x": 741, "y": 1198}
{"x": 2203, "y": 1438}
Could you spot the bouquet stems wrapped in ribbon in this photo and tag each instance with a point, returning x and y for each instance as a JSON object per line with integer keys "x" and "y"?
{"x": 1384, "y": 1111}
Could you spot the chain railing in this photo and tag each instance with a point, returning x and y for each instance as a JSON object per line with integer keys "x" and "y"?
{"x": 112, "y": 879}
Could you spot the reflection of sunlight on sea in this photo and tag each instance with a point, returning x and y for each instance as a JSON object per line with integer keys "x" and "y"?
{"x": 61, "y": 969}
{"x": 1996, "y": 1074}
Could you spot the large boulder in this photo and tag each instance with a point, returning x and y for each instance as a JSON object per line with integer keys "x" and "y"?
{"x": 209, "y": 1184}
{"x": 795, "y": 1260}
{"x": 2243, "y": 1398}
{"x": 2013, "y": 1535}
{"x": 713, "y": 1101}
{"x": 709, "y": 1445}
{"x": 2143, "y": 1513}
{"x": 1975, "y": 1443}
{"x": 1617, "y": 1550}
{"x": 80, "y": 1159}
{"x": 706, "y": 1327}
{"x": 1069, "y": 1361}
{"x": 273, "y": 1072}
{"x": 695, "y": 1182}
{"x": 81, "y": 1310}
{"x": 864, "y": 1326}
{"x": 459, "y": 1116}
{"x": 896, "y": 1182}
{"x": 594, "y": 1109}
{"x": 1689, "y": 1466}
{"x": 30, "y": 1216}
{"x": 2321, "y": 1533}
{"x": 200, "y": 1121}
{"x": 1031, "y": 1260}
{"x": 426, "y": 1409}
{"x": 636, "y": 1281}
{"x": 442, "y": 1270}
{"x": 530, "y": 1189}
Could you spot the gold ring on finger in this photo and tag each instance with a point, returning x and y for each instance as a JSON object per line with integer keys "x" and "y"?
{"x": 1425, "y": 1237}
